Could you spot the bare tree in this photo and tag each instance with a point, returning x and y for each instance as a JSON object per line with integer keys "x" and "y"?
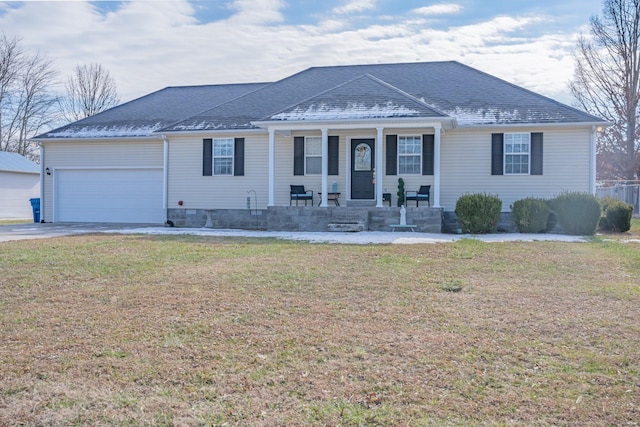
{"x": 11, "y": 58}
{"x": 25, "y": 98}
{"x": 90, "y": 90}
{"x": 607, "y": 83}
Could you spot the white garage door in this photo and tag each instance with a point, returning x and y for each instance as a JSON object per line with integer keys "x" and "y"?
{"x": 109, "y": 195}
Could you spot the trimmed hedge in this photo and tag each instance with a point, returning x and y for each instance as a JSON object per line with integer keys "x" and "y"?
{"x": 530, "y": 215}
{"x": 578, "y": 213}
{"x": 478, "y": 213}
{"x": 616, "y": 215}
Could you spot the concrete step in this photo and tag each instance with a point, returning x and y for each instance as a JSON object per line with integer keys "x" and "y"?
{"x": 346, "y": 227}
{"x": 361, "y": 203}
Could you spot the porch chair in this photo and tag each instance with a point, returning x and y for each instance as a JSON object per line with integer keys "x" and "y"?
{"x": 299, "y": 193}
{"x": 422, "y": 194}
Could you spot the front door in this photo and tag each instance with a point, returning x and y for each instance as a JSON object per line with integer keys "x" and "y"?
{"x": 362, "y": 161}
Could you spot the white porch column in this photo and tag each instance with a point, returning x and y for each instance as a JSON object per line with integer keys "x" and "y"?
{"x": 436, "y": 166}
{"x": 272, "y": 168}
{"x": 592, "y": 161}
{"x": 379, "y": 175}
{"x": 325, "y": 167}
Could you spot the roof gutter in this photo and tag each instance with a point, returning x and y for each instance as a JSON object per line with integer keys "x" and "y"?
{"x": 94, "y": 139}
{"x": 521, "y": 125}
{"x": 355, "y": 123}
{"x": 207, "y": 132}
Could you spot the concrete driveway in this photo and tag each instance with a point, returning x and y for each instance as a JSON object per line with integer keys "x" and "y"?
{"x": 39, "y": 231}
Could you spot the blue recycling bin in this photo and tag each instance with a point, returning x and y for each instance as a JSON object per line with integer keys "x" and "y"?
{"x": 35, "y": 205}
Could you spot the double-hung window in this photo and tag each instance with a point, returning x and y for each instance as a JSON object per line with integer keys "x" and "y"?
{"x": 410, "y": 155}
{"x": 223, "y": 156}
{"x": 517, "y": 150}
{"x": 313, "y": 155}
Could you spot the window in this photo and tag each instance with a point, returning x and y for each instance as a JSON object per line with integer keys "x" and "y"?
{"x": 313, "y": 155}
{"x": 516, "y": 153}
{"x": 223, "y": 156}
{"x": 409, "y": 155}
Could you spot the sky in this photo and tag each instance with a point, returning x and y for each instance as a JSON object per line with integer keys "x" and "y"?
{"x": 149, "y": 45}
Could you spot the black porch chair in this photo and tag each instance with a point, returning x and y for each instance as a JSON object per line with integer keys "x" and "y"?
{"x": 299, "y": 193}
{"x": 421, "y": 195}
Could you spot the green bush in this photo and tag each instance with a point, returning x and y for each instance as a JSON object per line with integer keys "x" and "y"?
{"x": 530, "y": 215}
{"x": 478, "y": 213}
{"x": 400, "y": 192}
{"x": 578, "y": 213}
{"x": 616, "y": 215}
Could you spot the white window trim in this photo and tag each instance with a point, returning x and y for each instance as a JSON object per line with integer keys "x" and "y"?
{"x": 214, "y": 157}
{"x": 307, "y": 155}
{"x": 505, "y": 154}
{"x": 419, "y": 137}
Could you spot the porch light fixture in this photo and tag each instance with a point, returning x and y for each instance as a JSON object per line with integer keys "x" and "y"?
{"x": 47, "y": 171}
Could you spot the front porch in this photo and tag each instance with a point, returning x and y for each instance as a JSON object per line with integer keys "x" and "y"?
{"x": 308, "y": 218}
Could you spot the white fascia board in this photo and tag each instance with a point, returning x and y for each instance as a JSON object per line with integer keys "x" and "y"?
{"x": 204, "y": 133}
{"x": 279, "y": 126}
{"x": 524, "y": 125}
{"x": 41, "y": 141}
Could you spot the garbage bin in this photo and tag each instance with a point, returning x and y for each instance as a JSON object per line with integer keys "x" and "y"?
{"x": 35, "y": 205}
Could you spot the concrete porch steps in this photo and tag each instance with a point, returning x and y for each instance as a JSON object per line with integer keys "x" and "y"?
{"x": 352, "y": 220}
{"x": 361, "y": 203}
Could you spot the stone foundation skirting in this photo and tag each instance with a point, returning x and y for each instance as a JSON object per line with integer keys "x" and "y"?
{"x": 308, "y": 218}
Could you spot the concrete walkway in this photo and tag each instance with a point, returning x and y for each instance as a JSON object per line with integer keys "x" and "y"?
{"x": 39, "y": 231}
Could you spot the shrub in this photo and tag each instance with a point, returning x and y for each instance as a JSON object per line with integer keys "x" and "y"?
{"x": 530, "y": 215}
{"x": 478, "y": 213}
{"x": 578, "y": 213}
{"x": 400, "y": 192}
{"x": 616, "y": 215}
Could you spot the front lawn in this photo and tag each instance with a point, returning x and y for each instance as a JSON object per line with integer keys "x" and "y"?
{"x": 141, "y": 330}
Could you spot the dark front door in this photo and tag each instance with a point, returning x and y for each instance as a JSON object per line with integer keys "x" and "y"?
{"x": 362, "y": 161}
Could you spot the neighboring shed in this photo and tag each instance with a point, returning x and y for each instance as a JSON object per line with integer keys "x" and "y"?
{"x": 19, "y": 182}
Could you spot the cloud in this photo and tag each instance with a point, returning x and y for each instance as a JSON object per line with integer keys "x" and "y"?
{"x": 149, "y": 45}
{"x": 257, "y": 11}
{"x": 438, "y": 9}
{"x": 355, "y": 6}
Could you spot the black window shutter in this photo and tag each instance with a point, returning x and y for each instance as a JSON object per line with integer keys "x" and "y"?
{"x": 536, "y": 153}
{"x": 428, "y": 142}
{"x": 238, "y": 156}
{"x": 392, "y": 154}
{"x": 497, "y": 154}
{"x": 207, "y": 157}
{"x": 298, "y": 155}
{"x": 334, "y": 156}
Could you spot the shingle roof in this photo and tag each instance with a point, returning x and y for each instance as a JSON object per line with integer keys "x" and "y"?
{"x": 462, "y": 92}
{"x": 427, "y": 89}
{"x": 364, "y": 97}
{"x": 145, "y": 115}
{"x": 14, "y": 162}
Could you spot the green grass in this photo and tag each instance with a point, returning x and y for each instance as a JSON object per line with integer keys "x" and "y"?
{"x": 144, "y": 330}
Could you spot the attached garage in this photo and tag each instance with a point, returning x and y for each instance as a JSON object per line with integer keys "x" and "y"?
{"x": 117, "y": 195}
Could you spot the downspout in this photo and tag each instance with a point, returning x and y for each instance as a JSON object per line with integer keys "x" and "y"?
{"x": 42, "y": 175}
{"x": 165, "y": 175}
{"x": 592, "y": 161}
